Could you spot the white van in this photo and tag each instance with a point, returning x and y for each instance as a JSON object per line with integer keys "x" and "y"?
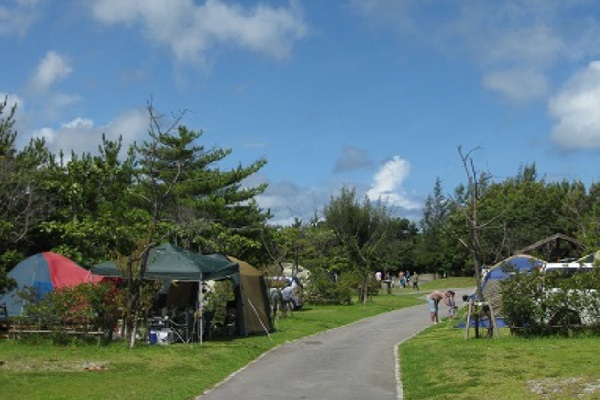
{"x": 578, "y": 309}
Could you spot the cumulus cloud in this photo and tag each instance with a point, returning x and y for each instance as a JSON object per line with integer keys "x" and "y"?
{"x": 575, "y": 109}
{"x": 352, "y": 158}
{"x": 83, "y": 135}
{"x": 387, "y": 184}
{"x": 287, "y": 201}
{"x": 190, "y": 29}
{"x": 17, "y": 18}
{"x": 515, "y": 43}
{"x": 52, "y": 67}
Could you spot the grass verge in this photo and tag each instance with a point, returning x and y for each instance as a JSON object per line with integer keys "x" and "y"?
{"x": 440, "y": 364}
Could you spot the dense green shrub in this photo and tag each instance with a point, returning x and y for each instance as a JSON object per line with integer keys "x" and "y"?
{"x": 85, "y": 308}
{"x": 324, "y": 288}
{"x": 521, "y": 305}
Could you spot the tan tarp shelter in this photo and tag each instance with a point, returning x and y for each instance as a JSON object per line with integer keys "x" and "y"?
{"x": 253, "y": 308}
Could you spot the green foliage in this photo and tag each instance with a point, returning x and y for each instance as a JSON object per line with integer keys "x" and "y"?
{"x": 86, "y": 307}
{"x": 8, "y": 260}
{"x": 521, "y": 301}
{"x": 208, "y": 208}
{"x": 323, "y": 288}
{"x": 431, "y": 253}
{"x": 362, "y": 228}
{"x": 23, "y": 200}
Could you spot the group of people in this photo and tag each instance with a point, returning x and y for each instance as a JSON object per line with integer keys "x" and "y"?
{"x": 403, "y": 279}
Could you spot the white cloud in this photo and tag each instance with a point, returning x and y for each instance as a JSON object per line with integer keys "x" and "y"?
{"x": 18, "y": 17}
{"x": 131, "y": 125}
{"x": 82, "y": 135}
{"x": 51, "y": 68}
{"x": 287, "y": 201}
{"x": 518, "y": 85}
{"x": 387, "y": 185}
{"x": 575, "y": 109}
{"x": 515, "y": 43}
{"x": 190, "y": 30}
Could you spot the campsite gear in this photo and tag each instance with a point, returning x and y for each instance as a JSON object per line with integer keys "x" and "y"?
{"x": 44, "y": 272}
{"x": 169, "y": 262}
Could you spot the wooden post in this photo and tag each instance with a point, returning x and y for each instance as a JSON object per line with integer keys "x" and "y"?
{"x": 468, "y": 326}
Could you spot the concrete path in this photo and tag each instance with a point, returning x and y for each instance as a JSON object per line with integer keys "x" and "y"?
{"x": 355, "y": 362}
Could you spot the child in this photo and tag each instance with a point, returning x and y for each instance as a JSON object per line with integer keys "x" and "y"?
{"x": 453, "y": 308}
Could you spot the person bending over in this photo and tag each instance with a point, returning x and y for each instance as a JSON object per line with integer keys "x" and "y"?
{"x": 433, "y": 301}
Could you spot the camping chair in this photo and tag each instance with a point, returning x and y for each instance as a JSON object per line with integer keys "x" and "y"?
{"x": 183, "y": 326}
{"x": 180, "y": 332}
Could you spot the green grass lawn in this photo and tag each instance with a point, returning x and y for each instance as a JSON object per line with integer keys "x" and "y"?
{"x": 440, "y": 363}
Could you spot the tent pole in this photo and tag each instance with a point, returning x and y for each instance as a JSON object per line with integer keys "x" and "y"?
{"x": 259, "y": 320}
{"x": 199, "y": 309}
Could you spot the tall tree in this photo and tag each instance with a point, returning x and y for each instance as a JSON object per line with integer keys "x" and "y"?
{"x": 434, "y": 251}
{"x": 468, "y": 204}
{"x": 23, "y": 200}
{"x": 181, "y": 195}
{"x": 362, "y": 228}
{"x": 91, "y": 194}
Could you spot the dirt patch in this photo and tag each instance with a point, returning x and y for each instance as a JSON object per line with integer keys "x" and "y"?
{"x": 560, "y": 388}
{"x": 52, "y": 366}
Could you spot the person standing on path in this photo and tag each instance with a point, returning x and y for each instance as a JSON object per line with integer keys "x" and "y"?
{"x": 415, "y": 279}
{"x": 433, "y": 301}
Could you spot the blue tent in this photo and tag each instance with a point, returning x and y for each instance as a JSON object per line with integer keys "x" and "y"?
{"x": 512, "y": 265}
{"x": 490, "y": 287}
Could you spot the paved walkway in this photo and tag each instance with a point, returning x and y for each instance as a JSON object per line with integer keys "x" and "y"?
{"x": 355, "y": 362}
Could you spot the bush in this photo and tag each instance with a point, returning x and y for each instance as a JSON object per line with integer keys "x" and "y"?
{"x": 323, "y": 288}
{"x": 521, "y": 305}
{"x": 85, "y": 308}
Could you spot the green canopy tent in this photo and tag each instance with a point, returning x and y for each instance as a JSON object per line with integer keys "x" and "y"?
{"x": 169, "y": 262}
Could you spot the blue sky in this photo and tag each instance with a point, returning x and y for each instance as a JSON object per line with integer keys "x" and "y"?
{"x": 375, "y": 94}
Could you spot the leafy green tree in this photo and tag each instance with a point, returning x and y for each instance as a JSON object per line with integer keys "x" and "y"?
{"x": 588, "y": 219}
{"x": 180, "y": 195}
{"x": 435, "y": 249}
{"x": 207, "y": 208}
{"x": 362, "y": 228}
{"x": 91, "y": 197}
{"x": 23, "y": 200}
